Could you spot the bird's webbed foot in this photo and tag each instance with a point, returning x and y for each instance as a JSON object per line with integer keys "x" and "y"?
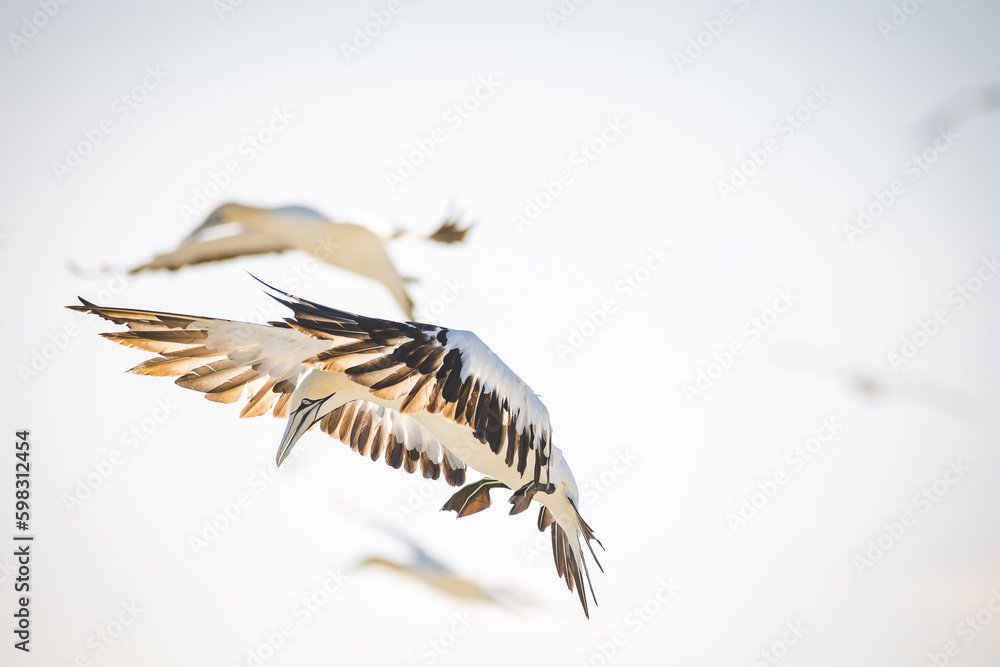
{"x": 473, "y": 498}
{"x": 522, "y": 497}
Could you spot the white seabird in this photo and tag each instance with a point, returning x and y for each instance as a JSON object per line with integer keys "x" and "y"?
{"x": 235, "y": 230}
{"x": 417, "y": 395}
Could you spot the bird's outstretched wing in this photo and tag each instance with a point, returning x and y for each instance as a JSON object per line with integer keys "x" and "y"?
{"x": 221, "y": 358}
{"x": 226, "y": 359}
{"x": 198, "y": 250}
{"x": 443, "y": 371}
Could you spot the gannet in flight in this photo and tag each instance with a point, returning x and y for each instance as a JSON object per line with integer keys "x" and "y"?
{"x": 420, "y": 396}
{"x": 234, "y": 230}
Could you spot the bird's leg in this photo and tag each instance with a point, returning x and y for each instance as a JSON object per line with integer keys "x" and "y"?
{"x": 473, "y": 498}
{"x": 522, "y": 497}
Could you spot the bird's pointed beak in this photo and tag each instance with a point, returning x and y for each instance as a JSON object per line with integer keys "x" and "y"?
{"x": 304, "y": 416}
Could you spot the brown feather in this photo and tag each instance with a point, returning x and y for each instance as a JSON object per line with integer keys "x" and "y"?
{"x": 165, "y": 367}
{"x": 411, "y": 460}
{"x": 209, "y": 376}
{"x": 396, "y": 377}
{"x": 469, "y": 413}
{"x": 416, "y": 400}
{"x": 261, "y": 401}
{"x": 281, "y": 405}
{"x": 230, "y": 396}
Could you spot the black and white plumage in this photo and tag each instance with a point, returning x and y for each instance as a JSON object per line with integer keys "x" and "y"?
{"x": 419, "y": 396}
{"x": 237, "y": 230}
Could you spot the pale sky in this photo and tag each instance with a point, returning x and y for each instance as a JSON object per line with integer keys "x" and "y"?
{"x": 745, "y": 252}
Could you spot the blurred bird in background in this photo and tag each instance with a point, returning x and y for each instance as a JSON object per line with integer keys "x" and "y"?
{"x": 236, "y": 230}
{"x": 429, "y": 569}
{"x": 967, "y": 103}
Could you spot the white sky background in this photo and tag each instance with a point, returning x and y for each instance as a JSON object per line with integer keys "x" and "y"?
{"x": 620, "y": 395}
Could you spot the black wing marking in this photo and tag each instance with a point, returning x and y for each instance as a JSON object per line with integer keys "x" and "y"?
{"x": 421, "y": 366}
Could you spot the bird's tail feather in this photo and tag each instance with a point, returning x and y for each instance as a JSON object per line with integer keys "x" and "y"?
{"x": 567, "y": 552}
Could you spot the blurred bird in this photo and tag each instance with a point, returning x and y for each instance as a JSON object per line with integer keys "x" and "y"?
{"x": 876, "y": 385}
{"x": 235, "y": 230}
{"x": 433, "y": 573}
{"x": 964, "y": 105}
{"x": 431, "y": 570}
{"x": 418, "y": 395}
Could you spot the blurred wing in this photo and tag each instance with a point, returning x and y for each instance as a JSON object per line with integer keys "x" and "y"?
{"x": 360, "y": 250}
{"x": 198, "y": 251}
{"x": 221, "y": 358}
